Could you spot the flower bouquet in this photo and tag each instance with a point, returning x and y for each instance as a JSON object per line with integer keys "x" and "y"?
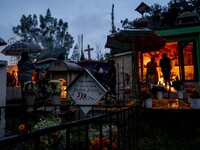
{"x": 189, "y": 88}
{"x": 95, "y": 139}
{"x": 54, "y": 140}
{"x": 50, "y": 141}
{"x": 30, "y": 88}
{"x": 177, "y": 84}
{"x": 145, "y": 93}
{"x": 54, "y": 87}
{"x": 194, "y": 94}
{"x": 158, "y": 87}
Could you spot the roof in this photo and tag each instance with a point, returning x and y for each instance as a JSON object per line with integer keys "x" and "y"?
{"x": 61, "y": 65}
{"x": 47, "y": 60}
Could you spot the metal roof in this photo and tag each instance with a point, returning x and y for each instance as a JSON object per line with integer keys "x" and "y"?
{"x": 60, "y": 65}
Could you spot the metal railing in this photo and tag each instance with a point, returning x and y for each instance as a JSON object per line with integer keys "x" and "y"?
{"x": 81, "y": 131}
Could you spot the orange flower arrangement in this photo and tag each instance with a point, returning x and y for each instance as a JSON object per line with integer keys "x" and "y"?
{"x": 95, "y": 144}
{"x": 95, "y": 139}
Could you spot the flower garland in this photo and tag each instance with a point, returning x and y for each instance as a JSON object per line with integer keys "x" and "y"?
{"x": 30, "y": 88}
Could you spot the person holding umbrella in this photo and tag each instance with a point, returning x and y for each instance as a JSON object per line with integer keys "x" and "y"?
{"x": 25, "y": 70}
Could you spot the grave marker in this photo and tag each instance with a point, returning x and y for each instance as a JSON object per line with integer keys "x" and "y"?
{"x": 86, "y": 90}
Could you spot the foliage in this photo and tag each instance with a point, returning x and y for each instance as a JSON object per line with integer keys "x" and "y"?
{"x": 192, "y": 91}
{"x": 54, "y": 87}
{"x": 194, "y": 94}
{"x": 145, "y": 93}
{"x": 30, "y": 88}
{"x": 99, "y": 53}
{"x": 55, "y": 140}
{"x": 189, "y": 88}
{"x": 94, "y": 138}
{"x": 158, "y": 87}
{"x": 76, "y": 54}
{"x": 164, "y": 17}
{"x": 50, "y": 33}
{"x": 177, "y": 84}
{"x": 50, "y": 141}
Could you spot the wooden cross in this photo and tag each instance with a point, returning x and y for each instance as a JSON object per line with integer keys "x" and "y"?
{"x": 88, "y": 50}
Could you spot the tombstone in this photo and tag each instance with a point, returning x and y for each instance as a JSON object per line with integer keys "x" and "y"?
{"x": 64, "y": 70}
{"x": 3, "y": 75}
{"x": 86, "y": 90}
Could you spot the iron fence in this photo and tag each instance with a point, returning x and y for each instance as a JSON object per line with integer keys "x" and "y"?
{"x": 103, "y": 127}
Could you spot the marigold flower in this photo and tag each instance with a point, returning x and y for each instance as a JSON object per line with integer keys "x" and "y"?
{"x": 106, "y": 140}
{"x": 42, "y": 140}
{"x": 97, "y": 140}
{"x": 21, "y": 127}
{"x": 55, "y": 134}
{"x": 115, "y": 133}
{"x": 114, "y": 145}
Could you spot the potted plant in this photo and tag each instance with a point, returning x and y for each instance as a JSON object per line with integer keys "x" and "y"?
{"x": 50, "y": 141}
{"x": 30, "y": 90}
{"x": 146, "y": 96}
{"x": 94, "y": 137}
{"x": 54, "y": 88}
{"x": 179, "y": 87}
{"x": 177, "y": 84}
{"x": 158, "y": 89}
{"x": 194, "y": 98}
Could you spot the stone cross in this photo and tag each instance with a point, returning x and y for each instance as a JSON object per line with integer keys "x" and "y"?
{"x": 88, "y": 50}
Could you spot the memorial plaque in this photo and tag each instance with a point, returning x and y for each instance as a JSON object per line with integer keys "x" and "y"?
{"x": 86, "y": 90}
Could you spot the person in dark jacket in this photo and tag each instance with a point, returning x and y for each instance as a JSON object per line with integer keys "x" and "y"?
{"x": 25, "y": 70}
{"x": 165, "y": 64}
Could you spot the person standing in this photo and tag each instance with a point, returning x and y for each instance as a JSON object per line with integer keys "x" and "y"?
{"x": 112, "y": 78}
{"x": 25, "y": 70}
{"x": 165, "y": 64}
{"x": 98, "y": 73}
{"x": 152, "y": 73}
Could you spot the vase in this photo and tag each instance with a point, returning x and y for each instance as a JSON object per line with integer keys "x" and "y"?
{"x": 180, "y": 94}
{"x": 197, "y": 102}
{"x": 194, "y": 102}
{"x": 56, "y": 101}
{"x": 159, "y": 95}
{"x": 30, "y": 100}
{"x": 148, "y": 103}
{"x": 191, "y": 102}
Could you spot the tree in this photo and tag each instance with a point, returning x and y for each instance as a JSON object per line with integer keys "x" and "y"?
{"x": 113, "y": 28}
{"x": 164, "y": 17}
{"x": 99, "y": 53}
{"x": 76, "y": 53}
{"x": 51, "y": 34}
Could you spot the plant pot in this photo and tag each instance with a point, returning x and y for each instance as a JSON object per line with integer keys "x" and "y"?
{"x": 30, "y": 100}
{"x": 194, "y": 102}
{"x": 159, "y": 95}
{"x": 180, "y": 94}
{"x": 148, "y": 103}
{"x": 56, "y": 100}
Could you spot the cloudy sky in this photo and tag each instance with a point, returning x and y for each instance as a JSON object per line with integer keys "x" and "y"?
{"x": 88, "y": 17}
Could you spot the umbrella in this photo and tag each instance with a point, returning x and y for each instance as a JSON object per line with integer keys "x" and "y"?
{"x": 144, "y": 40}
{"x": 17, "y": 48}
{"x": 2, "y": 42}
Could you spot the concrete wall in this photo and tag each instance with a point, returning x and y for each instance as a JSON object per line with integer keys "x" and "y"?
{"x": 3, "y": 78}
